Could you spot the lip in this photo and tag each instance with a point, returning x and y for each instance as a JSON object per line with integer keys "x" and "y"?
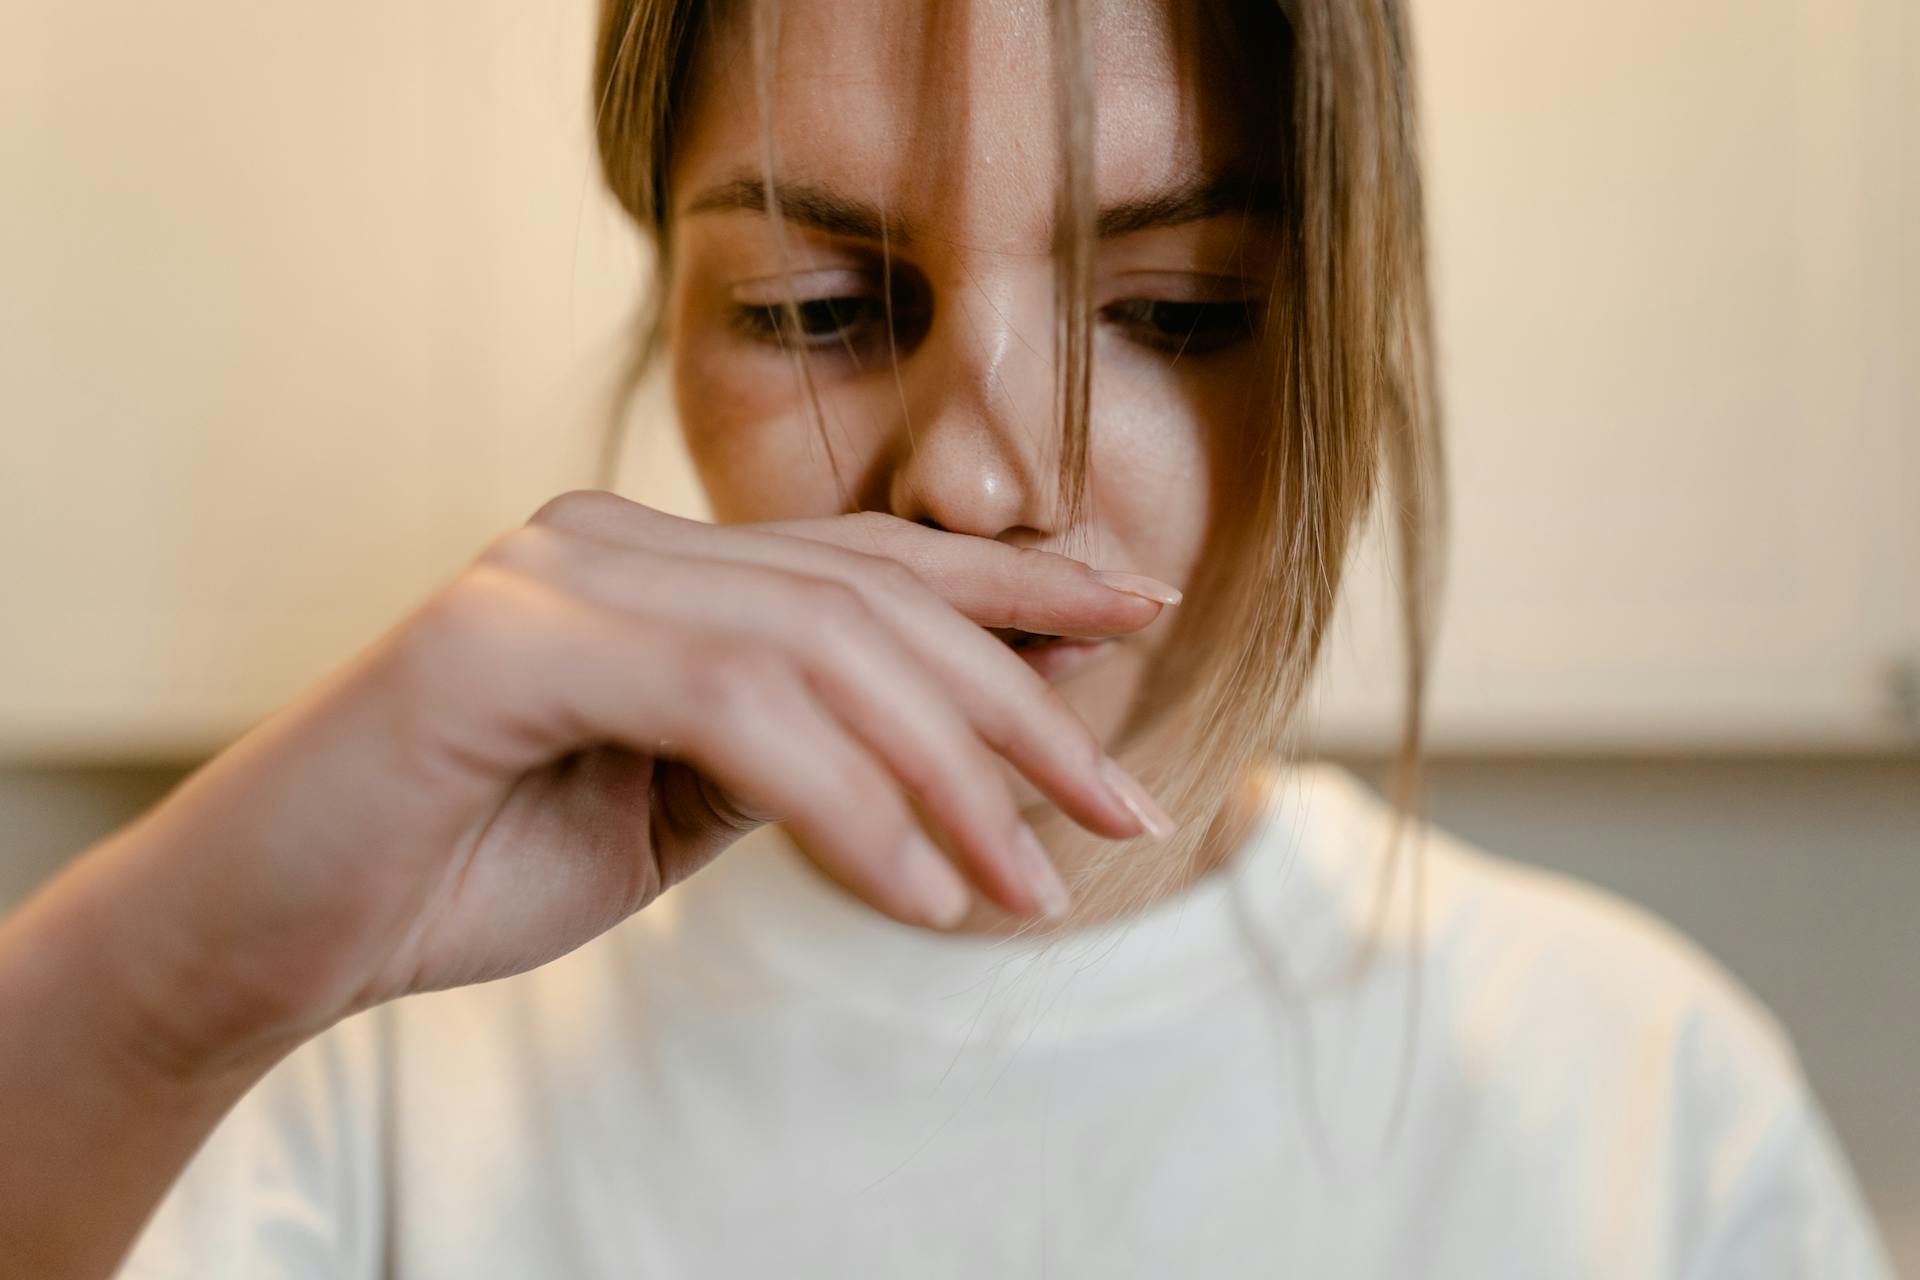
{"x": 1059, "y": 659}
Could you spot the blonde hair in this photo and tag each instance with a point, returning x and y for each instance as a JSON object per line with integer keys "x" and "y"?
{"x": 1348, "y": 352}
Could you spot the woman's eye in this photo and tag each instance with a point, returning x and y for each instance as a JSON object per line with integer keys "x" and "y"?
{"x": 817, "y": 321}
{"x": 1183, "y": 328}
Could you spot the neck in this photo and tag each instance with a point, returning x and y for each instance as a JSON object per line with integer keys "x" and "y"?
{"x": 1112, "y": 881}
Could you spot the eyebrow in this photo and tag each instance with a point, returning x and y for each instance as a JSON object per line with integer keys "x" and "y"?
{"x": 824, "y": 209}
{"x": 1192, "y": 201}
{"x": 808, "y": 203}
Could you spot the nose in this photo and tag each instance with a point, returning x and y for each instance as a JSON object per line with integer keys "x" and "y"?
{"x": 975, "y": 443}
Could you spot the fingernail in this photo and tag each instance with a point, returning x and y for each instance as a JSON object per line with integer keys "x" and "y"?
{"x": 1127, "y": 789}
{"x": 1048, "y": 887}
{"x": 933, "y": 883}
{"x": 1138, "y": 584}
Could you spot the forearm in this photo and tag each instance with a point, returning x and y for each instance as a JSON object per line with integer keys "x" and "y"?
{"x": 100, "y": 1107}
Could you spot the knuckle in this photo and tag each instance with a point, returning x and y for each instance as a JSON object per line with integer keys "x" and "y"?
{"x": 953, "y": 776}
{"x": 877, "y": 524}
{"x": 842, "y": 786}
{"x": 455, "y": 667}
{"x": 890, "y": 575}
{"x": 583, "y": 508}
{"x": 479, "y": 609}
{"x": 1040, "y": 716}
{"x": 530, "y": 549}
{"x": 876, "y": 575}
{"x": 1052, "y": 705}
{"x": 458, "y": 634}
{"x": 737, "y": 679}
{"x": 1075, "y": 730}
{"x": 1035, "y": 562}
{"x": 831, "y": 594}
{"x": 832, "y": 610}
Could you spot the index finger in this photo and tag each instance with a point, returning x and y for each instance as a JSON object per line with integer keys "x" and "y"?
{"x": 943, "y": 616}
{"x": 995, "y": 583}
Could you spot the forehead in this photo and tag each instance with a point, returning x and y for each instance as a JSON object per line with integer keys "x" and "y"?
{"x": 944, "y": 111}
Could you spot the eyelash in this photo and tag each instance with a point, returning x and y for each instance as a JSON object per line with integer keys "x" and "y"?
{"x": 771, "y": 323}
{"x": 846, "y": 321}
{"x": 1184, "y": 328}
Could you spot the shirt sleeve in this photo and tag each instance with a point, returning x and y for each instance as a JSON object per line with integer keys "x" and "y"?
{"x": 287, "y": 1186}
{"x": 1770, "y": 1190}
{"x": 1794, "y": 1211}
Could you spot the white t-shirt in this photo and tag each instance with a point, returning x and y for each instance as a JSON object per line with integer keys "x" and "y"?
{"x": 760, "y": 1076}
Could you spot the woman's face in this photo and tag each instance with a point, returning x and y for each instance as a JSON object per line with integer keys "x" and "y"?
{"x": 916, "y": 155}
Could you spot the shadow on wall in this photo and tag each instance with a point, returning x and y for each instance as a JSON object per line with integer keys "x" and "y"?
{"x": 49, "y": 813}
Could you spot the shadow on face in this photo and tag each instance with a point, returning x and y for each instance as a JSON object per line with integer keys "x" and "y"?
{"x": 915, "y": 153}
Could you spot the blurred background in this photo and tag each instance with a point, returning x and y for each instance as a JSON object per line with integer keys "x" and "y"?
{"x": 299, "y": 305}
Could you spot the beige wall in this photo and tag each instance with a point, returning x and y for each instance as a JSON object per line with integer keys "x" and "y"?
{"x": 280, "y": 350}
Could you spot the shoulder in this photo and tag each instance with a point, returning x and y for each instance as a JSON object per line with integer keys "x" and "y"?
{"x": 1568, "y": 996}
{"x": 1511, "y": 951}
{"x": 1590, "y": 968}
{"x": 1596, "y": 1006}
{"x": 1611, "y": 1054}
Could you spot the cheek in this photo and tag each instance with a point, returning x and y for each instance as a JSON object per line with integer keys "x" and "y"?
{"x": 1159, "y": 447}
{"x": 747, "y": 433}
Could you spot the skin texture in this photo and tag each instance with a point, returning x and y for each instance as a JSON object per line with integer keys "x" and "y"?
{"x": 607, "y": 697}
{"x": 938, "y": 119}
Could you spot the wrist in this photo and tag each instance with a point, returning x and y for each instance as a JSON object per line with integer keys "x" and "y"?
{"x": 101, "y": 1103}
{"x": 139, "y": 979}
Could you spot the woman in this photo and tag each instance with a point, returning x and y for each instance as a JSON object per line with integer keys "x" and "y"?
{"x": 1049, "y": 962}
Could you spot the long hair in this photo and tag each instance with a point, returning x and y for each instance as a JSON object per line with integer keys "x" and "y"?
{"x": 1350, "y": 404}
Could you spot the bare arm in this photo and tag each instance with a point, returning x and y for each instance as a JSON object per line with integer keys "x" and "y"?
{"x": 100, "y": 1105}
{"x": 600, "y": 704}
